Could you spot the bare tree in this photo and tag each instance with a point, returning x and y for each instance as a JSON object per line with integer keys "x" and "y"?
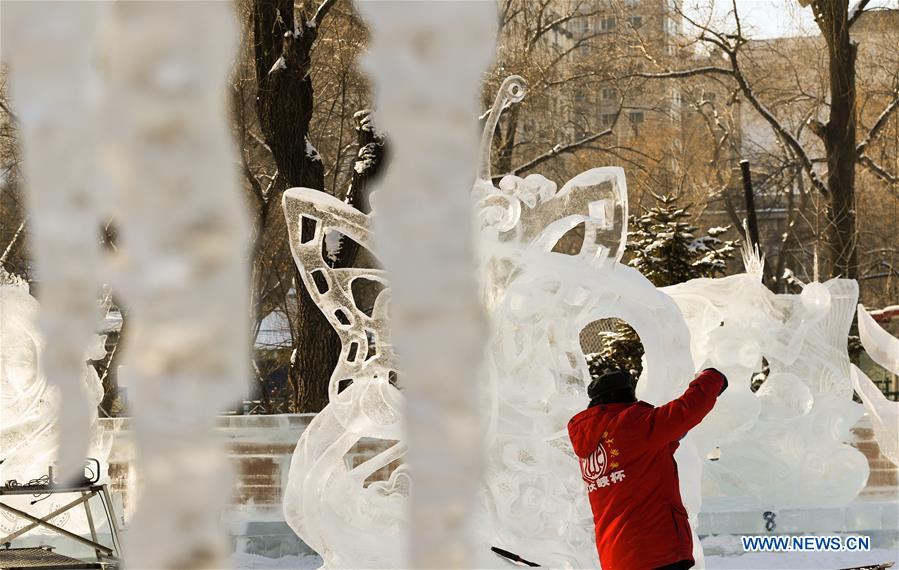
{"x": 13, "y": 224}
{"x": 838, "y": 134}
{"x": 284, "y": 65}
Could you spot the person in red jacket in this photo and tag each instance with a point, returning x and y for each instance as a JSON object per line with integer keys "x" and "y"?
{"x": 626, "y": 451}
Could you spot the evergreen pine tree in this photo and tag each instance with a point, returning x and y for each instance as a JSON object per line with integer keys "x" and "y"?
{"x": 663, "y": 246}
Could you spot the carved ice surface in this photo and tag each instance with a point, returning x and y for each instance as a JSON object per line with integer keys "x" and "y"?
{"x": 785, "y": 445}
{"x": 884, "y": 414}
{"x": 29, "y": 406}
{"x": 158, "y": 162}
{"x": 532, "y": 500}
{"x": 326, "y": 502}
{"x": 548, "y": 267}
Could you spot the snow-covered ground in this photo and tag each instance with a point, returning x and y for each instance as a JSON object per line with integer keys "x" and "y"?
{"x": 752, "y": 561}
{"x": 802, "y": 560}
{"x": 726, "y": 552}
{"x": 245, "y": 561}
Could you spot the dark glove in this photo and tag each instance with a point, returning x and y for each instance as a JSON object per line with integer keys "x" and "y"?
{"x": 723, "y": 377}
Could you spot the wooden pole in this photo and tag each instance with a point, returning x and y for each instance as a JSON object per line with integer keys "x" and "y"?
{"x": 751, "y": 218}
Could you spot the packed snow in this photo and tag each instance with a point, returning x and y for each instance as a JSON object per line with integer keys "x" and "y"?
{"x": 242, "y": 561}
{"x": 751, "y": 561}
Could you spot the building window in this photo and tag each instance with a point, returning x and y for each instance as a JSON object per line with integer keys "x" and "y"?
{"x": 670, "y": 26}
{"x": 635, "y": 117}
{"x": 608, "y": 24}
{"x": 636, "y": 21}
{"x": 607, "y": 119}
{"x": 608, "y": 93}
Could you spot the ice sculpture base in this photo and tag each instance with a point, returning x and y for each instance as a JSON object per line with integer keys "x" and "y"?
{"x": 871, "y": 515}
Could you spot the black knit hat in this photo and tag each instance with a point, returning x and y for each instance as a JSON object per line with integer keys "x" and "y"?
{"x": 610, "y": 381}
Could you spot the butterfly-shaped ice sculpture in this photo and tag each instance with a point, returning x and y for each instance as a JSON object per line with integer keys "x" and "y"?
{"x": 328, "y": 501}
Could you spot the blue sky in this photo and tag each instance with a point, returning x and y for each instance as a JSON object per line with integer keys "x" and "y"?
{"x": 764, "y": 18}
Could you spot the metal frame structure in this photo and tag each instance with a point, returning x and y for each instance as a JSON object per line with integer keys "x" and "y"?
{"x": 105, "y": 554}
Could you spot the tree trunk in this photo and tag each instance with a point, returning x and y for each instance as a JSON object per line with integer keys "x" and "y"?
{"x": 312, "y": 393}
{"x": 839, "y": 139}
{"x": 284, "y": 104}
{"x": 284, "y": 100}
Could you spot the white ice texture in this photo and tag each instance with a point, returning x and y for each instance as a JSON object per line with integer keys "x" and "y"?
{"x": 884, "y": 414}
{"x": 532, "y": 500}
{"x": 29, "y": 406}
{"x": 783, "y": 446}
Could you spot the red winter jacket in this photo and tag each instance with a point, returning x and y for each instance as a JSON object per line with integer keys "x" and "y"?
{"x": 627, "y": 462}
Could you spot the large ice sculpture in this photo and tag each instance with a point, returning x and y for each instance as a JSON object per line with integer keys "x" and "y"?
{"x": 539, "y": 300}
{"x": 884, "y": 414}
{"x": 123, "y": 118}
{"x": 348, "y": 520}
{"x": 533, "y": 500}
{"x": 29, "y": 405}
{"x": 785, "y": 445}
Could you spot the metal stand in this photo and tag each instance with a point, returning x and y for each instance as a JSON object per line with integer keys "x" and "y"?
{"x": 107, "y": 556}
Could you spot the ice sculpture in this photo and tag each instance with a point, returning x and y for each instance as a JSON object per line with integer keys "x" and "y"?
{"x": 539, "y": 300}
{"x": 29, "y": 406}
{"x": 426, "y": 61}
{"x": 785, "y": 445}
{"x": 123, "y": 117}
{"x": 533, "y": 501}
{"x": 884, "y": 414}
{"x": 328, "y": 504}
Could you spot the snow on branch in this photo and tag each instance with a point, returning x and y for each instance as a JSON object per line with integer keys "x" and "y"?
{"x": 878, "y": 124}
{"x": 856, "y": 11}
{"x": 710, "y": 70}
{"x": 877, "y": 169}
{"x": 557, "y": 150}
{"x": 320, "y": 14}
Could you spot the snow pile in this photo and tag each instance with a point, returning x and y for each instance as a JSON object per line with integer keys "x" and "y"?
{"x": 801, "y": 560}
{"x": 244, "y": 561}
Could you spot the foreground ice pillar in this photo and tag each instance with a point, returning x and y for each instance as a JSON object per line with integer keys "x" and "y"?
{"x": 49, "y": 48}
{"x": 427, "y": 61}
{"x": 181, "y": 273}
{"x": 157, "y": 162}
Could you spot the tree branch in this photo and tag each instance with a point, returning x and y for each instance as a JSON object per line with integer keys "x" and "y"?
{"x": 877, "y": 169}
{"x": 737, "y": 73}
{"x": 8, "y": 111}
{"x": 556, "y": 151}
{"x": 769, "y": 117}
{"x": 7, "y": 253}
{"x": 879, "y": 124}
{"x": 322, "y": 11}
{"x": 857, "y": 11}
{"x": 710, "y": 70}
